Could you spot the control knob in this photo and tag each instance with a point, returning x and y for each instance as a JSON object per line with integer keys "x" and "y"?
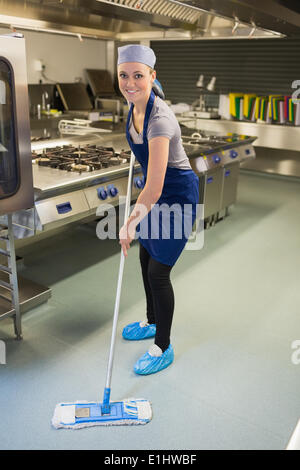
{"x": 233, "y": 153}
{"x": 102, "y": 193}
{"x": 138, "y": 183}
{"x": 113, "y": 191}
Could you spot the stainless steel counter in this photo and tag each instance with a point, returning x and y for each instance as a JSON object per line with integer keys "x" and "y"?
{"x": 277, "y": 145}
{"x": 276, "y": 136}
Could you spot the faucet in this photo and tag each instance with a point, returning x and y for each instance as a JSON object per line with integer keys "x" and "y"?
{"x": 45, "y": 96}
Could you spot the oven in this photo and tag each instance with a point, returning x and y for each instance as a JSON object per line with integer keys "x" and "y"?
{"x": 16, "y": 184}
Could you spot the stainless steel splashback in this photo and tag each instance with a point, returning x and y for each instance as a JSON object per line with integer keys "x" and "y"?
{"x": 16, "y": 185}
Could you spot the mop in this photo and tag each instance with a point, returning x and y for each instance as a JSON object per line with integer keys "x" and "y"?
{"x": 82, "y": 414}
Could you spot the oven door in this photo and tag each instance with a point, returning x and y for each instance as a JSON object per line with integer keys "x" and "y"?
{"x": 9, "y": 154}
{"x": 16, "y": 186}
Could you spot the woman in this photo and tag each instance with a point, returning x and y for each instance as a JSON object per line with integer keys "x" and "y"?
{"x": 154, "y": 136}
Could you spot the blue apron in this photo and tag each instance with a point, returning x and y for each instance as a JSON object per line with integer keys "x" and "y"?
{"x": 165, "y": 233}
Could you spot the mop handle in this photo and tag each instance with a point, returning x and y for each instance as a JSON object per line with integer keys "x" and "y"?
{"x": 118, "y": 295}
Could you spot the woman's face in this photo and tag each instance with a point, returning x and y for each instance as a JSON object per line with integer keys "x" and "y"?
{"x": 135, "y": 81}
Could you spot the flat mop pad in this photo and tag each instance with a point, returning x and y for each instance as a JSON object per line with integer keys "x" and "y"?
{"x": 82, "y": 414}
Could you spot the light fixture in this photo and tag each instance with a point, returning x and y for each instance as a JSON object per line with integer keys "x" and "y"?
{"x": 200, "y": 82}
{"x": 211, "y": 85}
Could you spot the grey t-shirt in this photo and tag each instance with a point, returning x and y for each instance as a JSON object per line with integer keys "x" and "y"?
{"x": 163, "y": 123}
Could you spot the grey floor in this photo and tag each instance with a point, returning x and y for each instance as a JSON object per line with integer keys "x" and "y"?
{"x": 233, "y": 384}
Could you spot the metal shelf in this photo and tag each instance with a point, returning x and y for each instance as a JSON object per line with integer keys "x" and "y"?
{"x": 9, "y": 291}
{"x": 17, "y": 294}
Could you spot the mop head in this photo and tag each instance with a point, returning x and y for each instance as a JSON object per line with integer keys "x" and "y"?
{"x": 82, "y": 414}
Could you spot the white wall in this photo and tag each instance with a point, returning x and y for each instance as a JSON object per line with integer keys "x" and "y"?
{"x": 65, "y": 57}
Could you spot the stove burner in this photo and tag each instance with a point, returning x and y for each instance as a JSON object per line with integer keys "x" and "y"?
{"x": 126, "y": 155}
{"x": 80, "y": 159}
{"x": 197, "y": 138}
{"x": 206, "y": 141}
{"x": 79, "y": 167}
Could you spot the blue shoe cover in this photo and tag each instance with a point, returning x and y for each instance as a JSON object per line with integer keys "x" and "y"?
{"x": 137, "y": 330}
{"x": 148, "y": 364}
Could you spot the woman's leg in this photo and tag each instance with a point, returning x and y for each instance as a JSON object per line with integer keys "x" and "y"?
{"x": 163, "y": 301}
{"x": 144, "y": 260}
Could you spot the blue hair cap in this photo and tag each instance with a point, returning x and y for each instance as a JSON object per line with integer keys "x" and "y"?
{"x": 136, "y": 53}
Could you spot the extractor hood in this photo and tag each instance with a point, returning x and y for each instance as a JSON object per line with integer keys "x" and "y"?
{"x": 282, "y": 16}
{"x": 136, "y": 20}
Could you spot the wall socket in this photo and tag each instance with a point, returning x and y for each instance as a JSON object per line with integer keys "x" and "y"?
{"x": 39, "y": 65}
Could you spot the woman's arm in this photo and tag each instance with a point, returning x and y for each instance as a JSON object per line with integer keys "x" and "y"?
{"x": 157, "y": 166}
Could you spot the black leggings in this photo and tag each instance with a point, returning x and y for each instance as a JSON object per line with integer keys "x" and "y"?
{"x": 159, "y": 296}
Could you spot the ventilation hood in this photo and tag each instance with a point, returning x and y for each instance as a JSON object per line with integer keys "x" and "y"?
{"x": 137, "y": 20}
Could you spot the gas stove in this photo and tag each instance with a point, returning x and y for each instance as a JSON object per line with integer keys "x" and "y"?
{"x": 75, "y": 175}
{"x": 86, "y": 158}
{"x": 213, "y": 150}
{"x": 214, "y": 142}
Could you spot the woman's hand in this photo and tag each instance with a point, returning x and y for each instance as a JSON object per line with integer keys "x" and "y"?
{"x": 126, "y": 235}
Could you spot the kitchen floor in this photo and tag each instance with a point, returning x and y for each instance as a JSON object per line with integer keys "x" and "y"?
{"x": 233, "y": 384}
